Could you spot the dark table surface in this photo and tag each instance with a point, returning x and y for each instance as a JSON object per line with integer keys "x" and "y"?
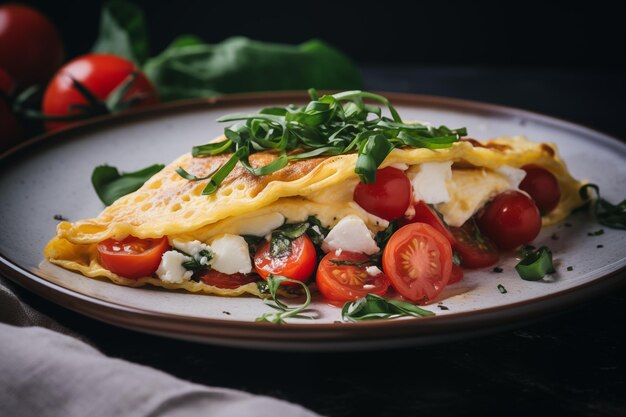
{"x": 573, "y": 364}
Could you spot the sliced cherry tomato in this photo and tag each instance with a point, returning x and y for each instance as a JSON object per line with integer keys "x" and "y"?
{"x": 456, "y": 275}
{"x": 132, "y": 257}
{"x": 221, "y": 280}
{"x": 542, "y": 186}
{"x": 475, "y": 250}
{"x": 510, "y": 220}
{"x": 389, "y": 197}
{"x": 425, "y": 214}
{"x": 30, "y": 46}
{"x": 298, "y": 265}
{"x": 418, "y": 262}
{"x": 101, "y": 74}
{"x": 341, "y": 283}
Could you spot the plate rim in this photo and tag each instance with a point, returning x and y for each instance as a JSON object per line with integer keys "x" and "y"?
{"x": 186, "y": 327}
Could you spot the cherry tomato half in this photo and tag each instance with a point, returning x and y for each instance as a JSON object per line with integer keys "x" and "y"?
{"x": 475, "y": 250}
{"x": 221, "y": 280}
{"x": 298, "y": 265}
{"x": 456, "y": 275}
{"x": 30, "y": 46}
{"x": 542, "y": 186}
{"x": 418, "y": 262}
{"x": 132, "y": 257}
{"x": 425, "y": 214}
{"x": 389, "y": 197}
{"x": 341, "y": 283}
{"x": 100, "y": 74}
{"x": 510, "y": 220}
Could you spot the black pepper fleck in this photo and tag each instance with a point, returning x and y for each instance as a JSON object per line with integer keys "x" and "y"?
{"x": 442, "y": 307}
{"x": 570, "y": 268}
{"x": 568, "y": 225}
{"x": 497, "y": 270}
{"x": 554, "y": 236}
{"x": 226, "y": 312}
{"x": 60, "y": 217}
{"x": 599, "y": 246}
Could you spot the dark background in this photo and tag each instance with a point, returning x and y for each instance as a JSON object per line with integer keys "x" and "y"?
{"x": 496, "y": 34}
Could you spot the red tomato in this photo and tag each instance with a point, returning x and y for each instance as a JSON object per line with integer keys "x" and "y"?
{"x": 132, "y": 257}
{"x": 542, "y": 186}
{"x": 221, "y": 280}
{"x": 475, "y": 250}
{"x": 341, "y": 283}
{"x": 424, "y": 214}
{"x": 510, "y": 220}
{"x": 418, "y": 262}
{"x": 100, "y": 74}
{"x": 30, "y": 46}
{"x": 456, "y": 275}
{"x": 389, "y": 197}
{"x": 298, "y": 265}
{"x": 9, "y": 127}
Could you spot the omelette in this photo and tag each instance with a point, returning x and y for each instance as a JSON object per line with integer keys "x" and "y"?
{"x": 208, "y": 230}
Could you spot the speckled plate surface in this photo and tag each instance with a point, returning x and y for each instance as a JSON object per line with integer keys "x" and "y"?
{"x": 51, "y": 175}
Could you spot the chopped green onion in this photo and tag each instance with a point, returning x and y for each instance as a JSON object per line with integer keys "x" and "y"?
{"x": 608, "y": 214}
{"x": 536, "y": 265}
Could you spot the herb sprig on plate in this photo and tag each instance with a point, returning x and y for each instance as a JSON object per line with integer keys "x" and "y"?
{"x": 334, "y": 124}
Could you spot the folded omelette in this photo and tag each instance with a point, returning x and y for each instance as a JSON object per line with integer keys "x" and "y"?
{"x": 169, "y": 205}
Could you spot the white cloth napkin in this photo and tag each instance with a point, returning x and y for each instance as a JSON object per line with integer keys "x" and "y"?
{"x": 47, "y": 374}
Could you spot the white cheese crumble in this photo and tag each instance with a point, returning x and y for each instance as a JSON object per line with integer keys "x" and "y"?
{"x": 193, "y": 249}
{"x": 171, "y": 268}
{"x": 514, "y": 175}
{"x": 260, "y": 225}
{"x": 231, "y": 255}
{"x": 373, "y": 271}
{"x": 430, "y": 182}
{"x": 350, "y": 234}
{"x": 399, "y": 165}
{"x": 338, "y": 252}
{"x": 369, "y": 287}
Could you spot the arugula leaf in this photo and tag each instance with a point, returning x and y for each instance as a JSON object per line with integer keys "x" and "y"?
{"x": 536, "y": 265}
{"x": 373, "y": 307}
{"x": 316, "y": 231}
{"x": 283, "y": 310}
{"x": 111, "y": 185}
{"x": 280, "y": 245}
{"x": 383, "y": 236}
{"x": 191, "y": 69}
{"x": 329, "y": 125}
{"x": 123, "y": 31}
{"x": 608, "y": 214}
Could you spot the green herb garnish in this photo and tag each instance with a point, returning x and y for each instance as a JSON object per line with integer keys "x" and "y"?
{"x": 283, "y": 310}
{"x": 111, "y": 185}
{"x": 608, "y": 214}
{"x": 331, "y": 125}
{"x": 383, "y": 236}
{"x": 373, "y": 307}
{"x": 536, "y": 264}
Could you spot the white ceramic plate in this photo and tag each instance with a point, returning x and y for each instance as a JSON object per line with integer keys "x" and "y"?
{"x": 51, "y": 175}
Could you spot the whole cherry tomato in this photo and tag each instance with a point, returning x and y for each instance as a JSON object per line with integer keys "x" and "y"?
{"x": 101, "y": 74}
{"x": 30, "y": 45}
